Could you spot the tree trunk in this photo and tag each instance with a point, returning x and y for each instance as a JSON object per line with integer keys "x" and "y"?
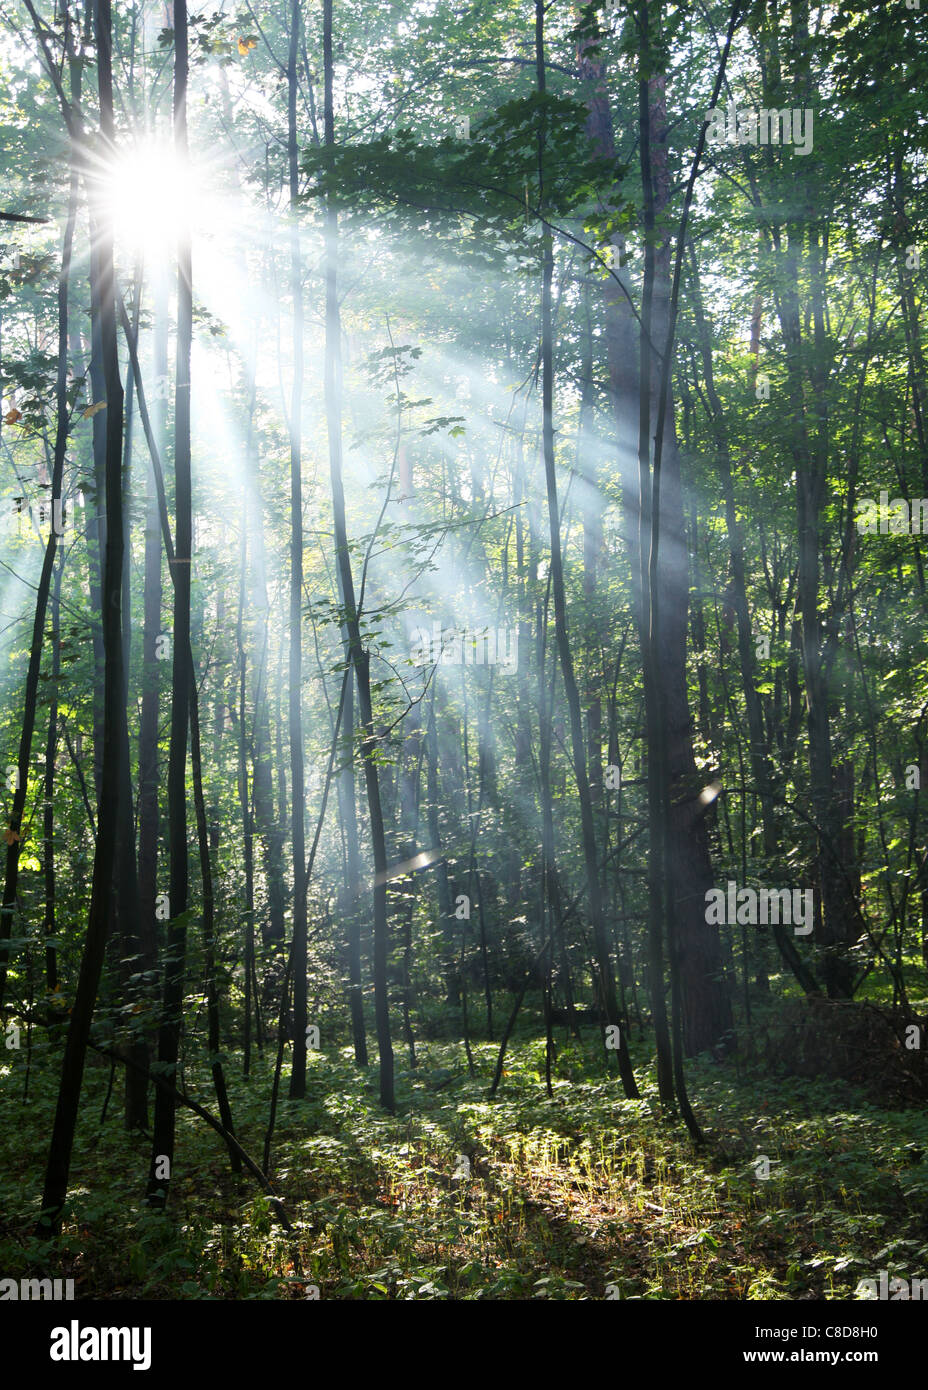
{"x": 605, "y": 979}
{"x": 359, "y": 657}
{"x": 348, "y": 811}
{"x": 59, "y": 1159}
{"x": 149, "y": 811}
{"x": 126, "y": 896}
{"x": 48, "y": 818}
{"x": 209, "y": 945}
{"x": 445, "y": 903}
{"x": 248, "y": 840}
{"x": 297, "y": 790}
{"x": 162, "y": 1161}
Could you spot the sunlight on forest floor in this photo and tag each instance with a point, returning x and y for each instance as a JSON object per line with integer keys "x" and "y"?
{"x": 462, "y": 1197}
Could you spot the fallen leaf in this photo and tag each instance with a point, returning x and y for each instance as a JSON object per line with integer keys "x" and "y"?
{"x": 93, "y": 410}
{"x": 11, "y": 835}
{"x": 12, "y": 416}
{"x": 245, "y": 44}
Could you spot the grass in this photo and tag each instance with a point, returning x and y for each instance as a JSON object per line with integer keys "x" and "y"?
{"x": 580, "y": 1195}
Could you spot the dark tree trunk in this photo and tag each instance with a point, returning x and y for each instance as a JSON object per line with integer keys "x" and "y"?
{"x": 706, "y": 1006}
{"x": 605, "y": 978}
{"x": 149, "y": 810}
{"x": 445, "y": 903}
{"x": 59, "y": 1159}
{"x": 209, "y": 943}
{"x": 348, "y": 811}
{"x": 162, "y": 1162}
{"x": 248, "y": 839}
{"x": 48, "y": 816}
{"x": 127, "y": 902}
{"x": 359, "y": 656}
{"x": 297, "y": 789}
{"x": 655, "y": 733}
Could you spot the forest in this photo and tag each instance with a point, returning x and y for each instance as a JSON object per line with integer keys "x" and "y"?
{"x": 463, "y": 499}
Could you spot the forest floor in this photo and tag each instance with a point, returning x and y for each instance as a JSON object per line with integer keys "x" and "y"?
{"x": 579, "y": 1195}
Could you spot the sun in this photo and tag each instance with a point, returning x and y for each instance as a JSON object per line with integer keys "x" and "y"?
{"x": 150, "y": 197}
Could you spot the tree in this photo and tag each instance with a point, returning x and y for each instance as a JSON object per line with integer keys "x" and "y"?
{"x": 59, "y": 1158}
{"x": 163, "y": 1132}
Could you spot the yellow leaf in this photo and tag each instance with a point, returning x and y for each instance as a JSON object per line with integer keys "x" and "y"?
{"x": 245, "y": 44}
{"x": 12, "y": 416}
{"x": 93, "y": 410}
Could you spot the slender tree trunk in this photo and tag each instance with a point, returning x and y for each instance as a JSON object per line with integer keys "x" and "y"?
{"x": 473, "y": 877}
{"x": 127, "y": 902}
{"x": 348, "y": 810}
{"x": 209, "y": 943}
{"x": 359, "y": 657}
{"x": 605, "y": 978}
{"x": 51, "y": 753}
{"x": 149, "y": 811}
{"x": 445, "y": 903}
{"x": 96, "y": 520}
{"x": 297, "y": 790}
{"x": 162, "y": 1161}
{"x": 248, "y": 840}
{"x": 59, "y": 1159}
{"x": 655, "y": 733}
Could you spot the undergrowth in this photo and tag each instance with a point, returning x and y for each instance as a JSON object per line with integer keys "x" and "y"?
{"x": 579, "y": 1195}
